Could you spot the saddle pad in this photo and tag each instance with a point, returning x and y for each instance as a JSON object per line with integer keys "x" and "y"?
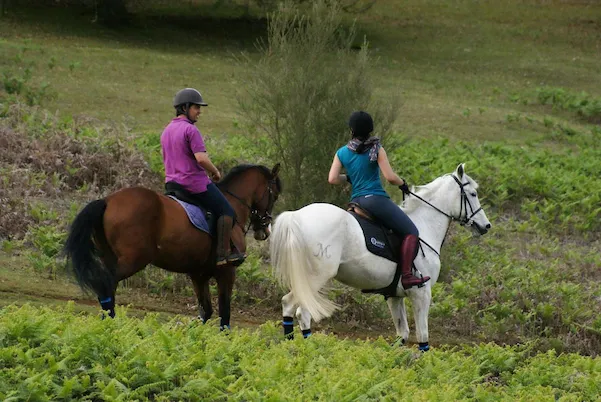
{"x": 195, "y": 214}
{"x": 379, "y": 240}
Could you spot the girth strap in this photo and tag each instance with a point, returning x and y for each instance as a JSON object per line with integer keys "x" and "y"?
{"x": 390, "y": 290}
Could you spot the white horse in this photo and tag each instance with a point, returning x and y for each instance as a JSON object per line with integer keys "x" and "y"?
{"x": 321, "y": 241}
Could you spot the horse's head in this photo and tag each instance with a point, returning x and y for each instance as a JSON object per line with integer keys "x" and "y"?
{"x": 264, "y": 198}
{"x": 256, "y": 189}
{"x": 468, "y": 211}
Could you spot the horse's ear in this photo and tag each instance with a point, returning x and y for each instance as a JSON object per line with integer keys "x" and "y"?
{"x": 275, "y": 170}
{"x": 460, "y": 170}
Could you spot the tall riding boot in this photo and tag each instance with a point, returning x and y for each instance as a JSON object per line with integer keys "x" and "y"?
{"x": 409, "y": 248}
{"x": 224, "y": 236}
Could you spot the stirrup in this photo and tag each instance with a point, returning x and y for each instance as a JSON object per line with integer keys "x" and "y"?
{"x": 236, "y": 257}
{"x": 233, "y": 258}
{"x": 419, "y": 285}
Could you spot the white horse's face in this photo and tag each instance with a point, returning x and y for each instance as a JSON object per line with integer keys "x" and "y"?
{"x": 471, "y": 212}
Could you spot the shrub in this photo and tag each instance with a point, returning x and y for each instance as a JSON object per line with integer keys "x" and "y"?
{"x": 301, "y": 93}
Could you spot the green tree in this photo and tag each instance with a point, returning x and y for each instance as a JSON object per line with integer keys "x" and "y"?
{"x": 301, "y": 91}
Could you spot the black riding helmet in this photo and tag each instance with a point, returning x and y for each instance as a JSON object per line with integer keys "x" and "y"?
{"x": 184, "y": 98}
{"x": 361, "y": 124}
{"x": 188, "y": 96}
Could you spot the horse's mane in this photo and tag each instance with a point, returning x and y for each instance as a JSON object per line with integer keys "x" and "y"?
{"x": 240, "y": 169}
{"x": 425, "y": 192}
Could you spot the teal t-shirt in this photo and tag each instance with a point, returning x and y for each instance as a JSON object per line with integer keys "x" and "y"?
{"x": 364, "y": 175}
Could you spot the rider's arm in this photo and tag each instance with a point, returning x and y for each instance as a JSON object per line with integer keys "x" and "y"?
{"x": 197, "y": 145}
{"x": 335, "y": 177}
{"x": 386, "y": 169}
{"x": 203, "y": 160}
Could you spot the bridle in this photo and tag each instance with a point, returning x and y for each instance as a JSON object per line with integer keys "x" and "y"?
{"x": 259, "y": 220}
{"x": 464, "y": 204}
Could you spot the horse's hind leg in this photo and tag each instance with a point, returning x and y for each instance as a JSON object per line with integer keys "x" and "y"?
{"x": 304, "y": 321}
{"x": 109, "y": 260}
{"x": 124, "y": 268}
{"x": 302, "y": 315}
{"x": 420, "y": 300}
{"x": 396, "y": 305}
{"x": 107, "y": 302}
{"x": 288, "y": 307}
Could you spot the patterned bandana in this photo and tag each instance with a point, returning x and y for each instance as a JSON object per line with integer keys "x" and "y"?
{"x": 372, "y": 145}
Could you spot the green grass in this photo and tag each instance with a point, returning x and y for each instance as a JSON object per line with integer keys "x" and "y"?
{"x": 444, "y": 57}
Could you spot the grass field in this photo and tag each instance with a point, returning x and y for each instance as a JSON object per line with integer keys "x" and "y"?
{"x": 511, "y": 87}
{"x": 447, "y": 59}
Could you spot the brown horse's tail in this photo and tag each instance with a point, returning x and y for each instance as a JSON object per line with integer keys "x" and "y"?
{"x": 87, "y": 231}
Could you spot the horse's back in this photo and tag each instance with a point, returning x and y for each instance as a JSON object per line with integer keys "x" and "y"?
{"x": 332, "y": 231}
{"x": 156, "y": 226}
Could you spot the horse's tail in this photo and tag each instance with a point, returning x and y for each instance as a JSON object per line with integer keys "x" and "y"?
{"x": 295, "y": 269}
{"x": 87, "y": 231}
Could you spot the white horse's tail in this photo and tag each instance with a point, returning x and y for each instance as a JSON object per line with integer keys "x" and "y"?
{"x": 294, "y": 268}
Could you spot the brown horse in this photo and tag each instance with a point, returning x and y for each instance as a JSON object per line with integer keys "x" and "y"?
{"x": 113, "y": 238}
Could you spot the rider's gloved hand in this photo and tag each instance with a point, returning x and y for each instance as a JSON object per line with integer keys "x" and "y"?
{"x": 405, "y": 188}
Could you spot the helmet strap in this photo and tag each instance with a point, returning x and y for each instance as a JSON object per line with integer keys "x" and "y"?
{"x": 188, "y": 111}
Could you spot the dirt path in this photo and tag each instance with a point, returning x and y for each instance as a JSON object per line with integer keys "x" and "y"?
{"x": 19, "y": 286}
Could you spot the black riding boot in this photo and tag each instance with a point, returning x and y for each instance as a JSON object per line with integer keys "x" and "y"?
{"x": 224, "y": 237}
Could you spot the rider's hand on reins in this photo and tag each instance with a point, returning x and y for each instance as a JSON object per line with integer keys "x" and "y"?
{"x": 405, "y": 189}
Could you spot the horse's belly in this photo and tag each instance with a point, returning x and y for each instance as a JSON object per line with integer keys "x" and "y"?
{"x": 366, "y": 272}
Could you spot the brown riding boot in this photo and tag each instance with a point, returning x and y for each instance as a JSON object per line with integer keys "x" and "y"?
{"x": 224, "y": 236}
{"x": 409, "y": 248}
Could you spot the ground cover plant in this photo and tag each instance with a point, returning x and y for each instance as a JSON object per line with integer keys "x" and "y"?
{"x": 57, "y": 354}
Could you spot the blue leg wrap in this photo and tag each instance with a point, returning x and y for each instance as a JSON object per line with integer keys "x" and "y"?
{"x": 224, "y": 327}
{"x": 108, "y": 304}
{"x": 306, "y": 333}
{"x": 288, "y": 324}
{"x": 424, "y": 346}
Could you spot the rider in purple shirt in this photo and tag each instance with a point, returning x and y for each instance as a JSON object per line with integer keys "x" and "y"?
{"x": 187, "y": 166}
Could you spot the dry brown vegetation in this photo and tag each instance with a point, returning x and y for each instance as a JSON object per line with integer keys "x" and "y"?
{"x": 43, "y": 159}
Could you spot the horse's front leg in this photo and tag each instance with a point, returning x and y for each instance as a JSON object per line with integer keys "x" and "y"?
{"x": 420, "y": 299}
{"x": 396, "y": 305}
{"x": 226, "y": 275}
{"x": 203, "y": 295}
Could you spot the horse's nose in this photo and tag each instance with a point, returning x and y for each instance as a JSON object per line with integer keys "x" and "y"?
{"x": 488, "y": 226}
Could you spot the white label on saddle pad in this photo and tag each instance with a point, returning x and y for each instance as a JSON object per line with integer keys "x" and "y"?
{"x": 377, "y": 243}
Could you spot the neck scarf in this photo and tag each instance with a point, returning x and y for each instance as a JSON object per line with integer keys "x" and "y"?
{"x": 372, "y": 145}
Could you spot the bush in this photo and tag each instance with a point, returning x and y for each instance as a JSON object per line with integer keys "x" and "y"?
{"x": 301, "y": 93}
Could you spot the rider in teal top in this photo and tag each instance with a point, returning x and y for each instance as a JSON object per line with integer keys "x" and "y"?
{"x": 364, "y": 174}
{"x": 363, "y": 158}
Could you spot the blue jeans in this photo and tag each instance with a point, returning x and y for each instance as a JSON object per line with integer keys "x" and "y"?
{"x": 214, "y": 200}
{"x": 388, "y": 213}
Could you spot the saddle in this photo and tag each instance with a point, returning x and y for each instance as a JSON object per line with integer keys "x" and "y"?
{"x": 379, "y": 240}
{"x": 176, "y": 190}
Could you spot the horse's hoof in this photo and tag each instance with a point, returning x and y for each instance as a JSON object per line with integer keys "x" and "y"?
{"x": 399, "y": 341}
{"x": 424, "y": 346}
